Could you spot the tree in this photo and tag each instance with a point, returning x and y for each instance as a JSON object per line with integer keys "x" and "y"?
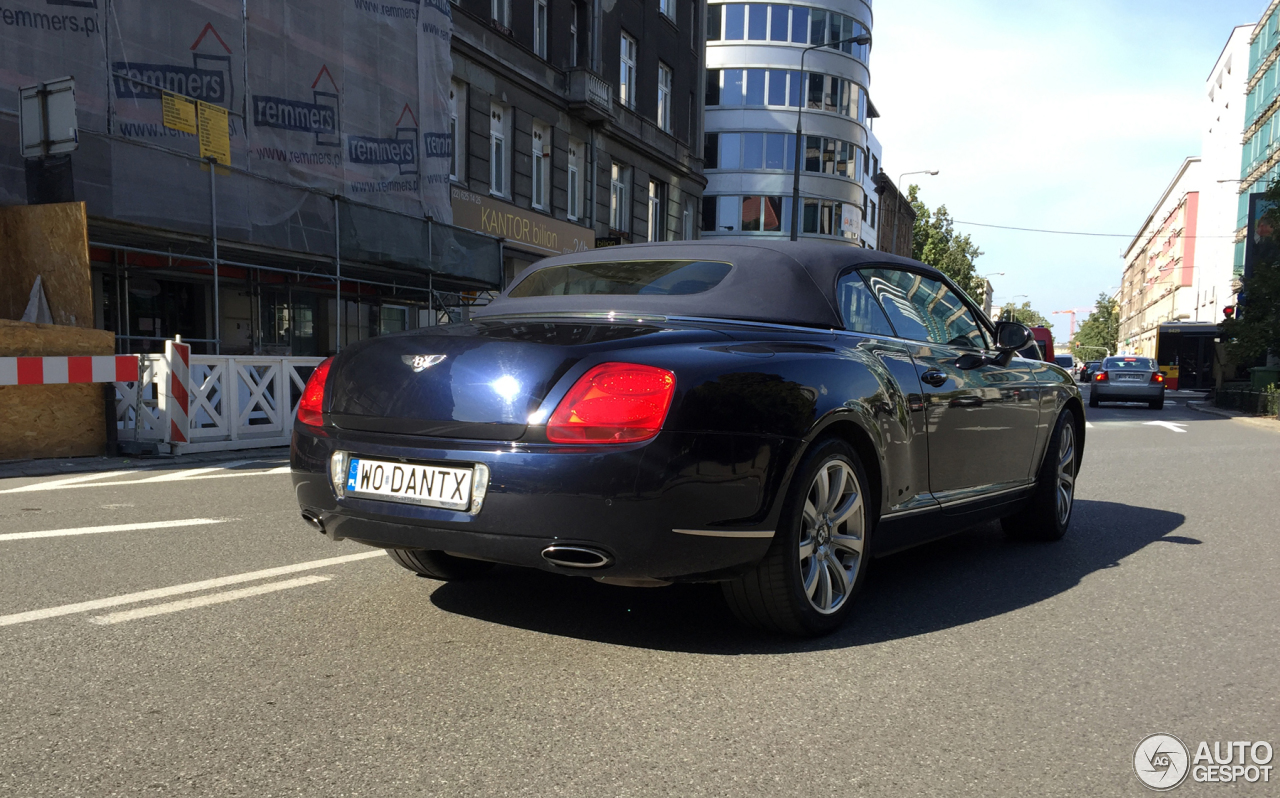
{"x": 934, "y": 241}
{"x": 1257, "y": 330}
{"x": 1099, "y": 332}
{"x": 1023, "y": 314}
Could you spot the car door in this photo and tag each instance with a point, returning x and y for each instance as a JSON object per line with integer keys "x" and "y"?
{"x": 899, "y": 414}
{"x": 981, "y": 416}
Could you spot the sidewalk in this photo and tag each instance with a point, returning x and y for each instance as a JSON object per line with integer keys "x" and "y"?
{"x": 84, "y": 465}
{"x": 1267, "y": 422}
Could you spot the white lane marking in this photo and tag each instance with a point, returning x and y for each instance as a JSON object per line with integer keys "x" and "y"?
{"x": 174, "y": 476}
{"x": 62, "y": 483}
{"x": 1088, "y": 425}
{"x": 204, "y": 601}
{"x": 148, "y": 481}
{"x": 177, "y": 590}
{"x": 94, "y": 530}
{"x": 1173, "y": 425}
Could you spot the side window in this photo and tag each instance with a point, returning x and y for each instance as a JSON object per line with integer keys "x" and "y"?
{"x": 924, "y": 309}
{"x": 858, "y": 308}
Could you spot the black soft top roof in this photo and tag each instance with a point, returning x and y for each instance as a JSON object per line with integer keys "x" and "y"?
{"x": 786, "y": 282}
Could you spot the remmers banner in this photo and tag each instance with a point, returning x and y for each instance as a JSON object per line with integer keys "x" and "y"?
{"x": 346, "y": 96}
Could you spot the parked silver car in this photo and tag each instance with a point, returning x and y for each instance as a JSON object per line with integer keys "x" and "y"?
{"x": 1127, "y": 379}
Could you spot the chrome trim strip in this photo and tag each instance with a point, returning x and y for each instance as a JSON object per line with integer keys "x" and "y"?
{"x": 991, "y": 495}
{"x": 726, "y": 533}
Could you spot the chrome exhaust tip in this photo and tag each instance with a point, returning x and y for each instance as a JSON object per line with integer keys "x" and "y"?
{"x": 313, "y": 521}
{"x": 576, "y": 557}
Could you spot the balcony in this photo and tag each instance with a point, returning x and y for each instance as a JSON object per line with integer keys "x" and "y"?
{"x": 590, "y": 95}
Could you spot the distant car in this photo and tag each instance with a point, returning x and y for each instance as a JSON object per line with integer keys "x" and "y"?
{"x": 1089, "y": 369}
{"x": 1128, "y": 379}
{"x": 1066, "y": 361}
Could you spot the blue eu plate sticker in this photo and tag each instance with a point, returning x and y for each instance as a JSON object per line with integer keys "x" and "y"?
{"x": 352, "y": 470}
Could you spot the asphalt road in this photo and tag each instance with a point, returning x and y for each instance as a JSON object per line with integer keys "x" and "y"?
{"x": 973, "y": 666}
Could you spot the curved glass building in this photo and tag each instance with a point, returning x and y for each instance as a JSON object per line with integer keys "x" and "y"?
{"x": 755, "y": 88}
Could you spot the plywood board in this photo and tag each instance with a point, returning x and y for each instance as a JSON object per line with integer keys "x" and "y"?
{"x": 51, "y": 241}
{"x": 52, "y": 421}
{"x": 22, "y": 339}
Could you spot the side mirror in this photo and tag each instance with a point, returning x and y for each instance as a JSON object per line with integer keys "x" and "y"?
{"x": 1011, "y": 336}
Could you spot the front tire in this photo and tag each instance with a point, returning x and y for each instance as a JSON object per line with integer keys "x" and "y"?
{"x": 817, "y": 563}
{"x": 439, "y": 565}
{"x": 1048, "y": 514}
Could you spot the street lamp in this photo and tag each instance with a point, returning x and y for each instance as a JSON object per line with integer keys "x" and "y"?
{"x": 861, "y": 39}
{"x": 896, "y": 207}
{"x": 1013, "y": 306}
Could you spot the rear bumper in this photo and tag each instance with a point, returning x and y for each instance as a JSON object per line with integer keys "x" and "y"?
{"x": 1120, "y": 392}
{"x": 625, "y": 500}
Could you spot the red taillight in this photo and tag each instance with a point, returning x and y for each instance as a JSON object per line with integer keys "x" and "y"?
{"x": 311, "y": 405}
{"x": 613, "y": 403}
{"x": 1102, "y": 377}
{"x": 1157, "y": 377}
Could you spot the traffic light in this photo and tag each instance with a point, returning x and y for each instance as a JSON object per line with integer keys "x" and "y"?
{"x": 1229, "y": 311}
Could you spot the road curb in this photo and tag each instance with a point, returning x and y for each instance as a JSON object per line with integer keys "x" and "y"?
{"x": 1266, "y": 422}
{"x": 1205, "y": 407}
{"x": 88, "y": 465}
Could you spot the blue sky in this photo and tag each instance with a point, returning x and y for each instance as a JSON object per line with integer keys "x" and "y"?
{"x": 1039, "y": 113}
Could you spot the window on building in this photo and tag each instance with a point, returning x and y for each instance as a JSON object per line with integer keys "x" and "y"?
{"x": 498, "y": 157}
{"x": 755, "y": 86}
{"x": 728, "y": 213}
{"x": 575, "y": 179}
{"x": 620, "y": 197}
{"x": 657, "y": 211}
{"x": 457, "y": 129}
{"x": 627, "y": 72}
{"x": 573, "y": 36}
{"x": 540, "y": 27}
{"x": 708, "y": 213}
{"x": 664, "y": 97}
{"x": 757, "y": 21}
{"x": 392, "y": 319}
{"x": 541, "y": 166}
{"x": 871, "y": 217}
{"x": 713, "y": 22}
{"x": 800, "y": 25}
{"x": 713, "y": 87}
{"x": 502, "y": 13}
{"x": 779, "y": 23}
{"x": 668, "y": 9}
{"x": 735, "y": 20}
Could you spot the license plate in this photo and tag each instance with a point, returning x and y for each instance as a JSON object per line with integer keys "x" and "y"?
{"x": 1133, "y": 377}
{"x": 430, "y": 485}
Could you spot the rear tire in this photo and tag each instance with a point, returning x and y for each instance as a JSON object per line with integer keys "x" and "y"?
{"x": 817, "y": 563}
{"x": 438, "y": 565}
{"x": 1048, "y": 514}
{"x": 1093, "y": 399}
{"x": 1157, "y": 404}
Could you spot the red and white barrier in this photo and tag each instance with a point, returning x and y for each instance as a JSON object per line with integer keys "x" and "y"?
{"x": 176, "y": 396}
{"x": 68, "y": 370}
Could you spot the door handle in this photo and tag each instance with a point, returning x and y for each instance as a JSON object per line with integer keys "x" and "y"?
{"x": 934, "y": 377}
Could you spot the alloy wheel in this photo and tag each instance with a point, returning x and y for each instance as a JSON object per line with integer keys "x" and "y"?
{"x": 1066, "y": 472}
{"x": 832, "y": 537}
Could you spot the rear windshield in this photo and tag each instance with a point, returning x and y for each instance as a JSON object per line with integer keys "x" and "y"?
{"x": 1063, "y": 360}
{"x": 635, "y": 277}
{"x": 1135, "y": 363}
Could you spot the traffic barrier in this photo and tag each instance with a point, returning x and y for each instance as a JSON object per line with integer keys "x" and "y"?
{"x": 176, "y": 400}
{"x": 202, "y": 403}
{"x": 76, "y": 369}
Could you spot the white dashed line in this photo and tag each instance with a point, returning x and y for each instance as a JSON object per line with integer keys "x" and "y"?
{"x": 204, "y": 601}
{"x": 177, "y": 590}
{"x": 95, "y": 530}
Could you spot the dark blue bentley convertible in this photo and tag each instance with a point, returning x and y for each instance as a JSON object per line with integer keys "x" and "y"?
{"x": 764, "y": 415}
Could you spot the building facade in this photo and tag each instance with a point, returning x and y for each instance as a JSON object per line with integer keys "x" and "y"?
{"x": 1160, "y": 264}
{"x": 577, "y": 123}
{"x": 1260, "y": 161}
{"x": 755, "y": 88}
{"x": 872, "y": 214}
{"x": 1220, "y": 155}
